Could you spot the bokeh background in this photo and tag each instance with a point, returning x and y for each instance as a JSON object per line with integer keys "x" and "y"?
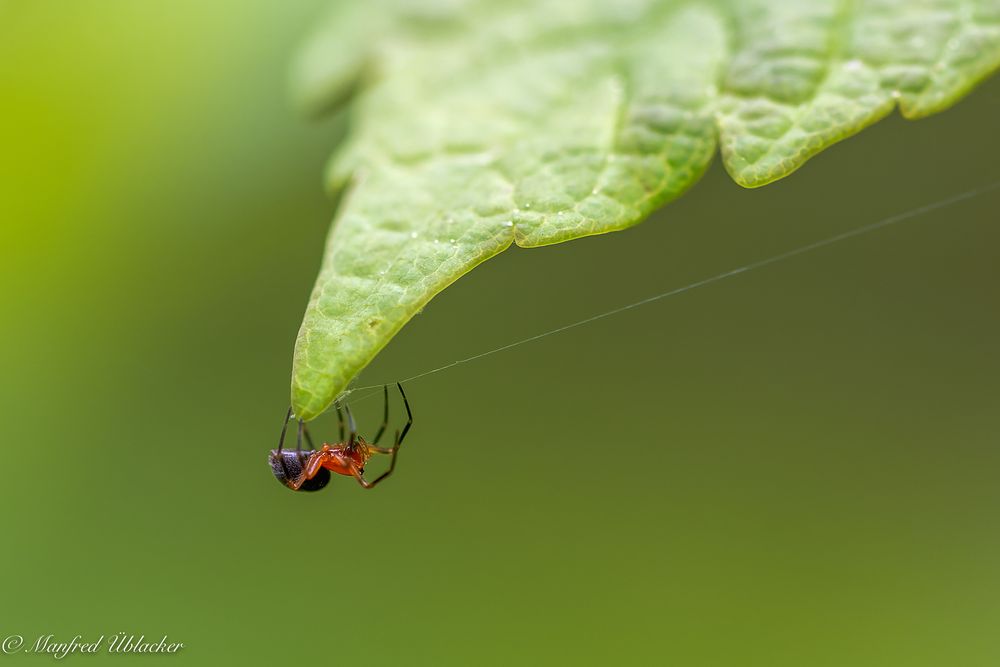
{"x": 797, "y": 466}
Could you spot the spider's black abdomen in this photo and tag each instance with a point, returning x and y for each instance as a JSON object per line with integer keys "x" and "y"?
{"x": 288, "y": 465}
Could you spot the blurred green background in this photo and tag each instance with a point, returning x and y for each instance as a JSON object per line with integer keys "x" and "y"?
{"x": 797, "y": 466}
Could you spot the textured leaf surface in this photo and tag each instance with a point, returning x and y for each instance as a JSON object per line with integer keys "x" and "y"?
{"x": 478, "y": 124}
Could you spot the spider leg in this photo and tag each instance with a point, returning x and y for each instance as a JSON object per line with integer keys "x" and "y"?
{"x": 309, "y": 438}
{"x": 392, "y": 466}
{"x": 281, "y": 440}
{"x": 284, "y": 427}
{"x": 409, "y": 417}
{"x": 399, "y": 437}
{"x": 385, "y": 415}
{"x": 393, "y": 451}
{"x": 351, "y": 425}
{"x": 311, "y": 468}
{"x": 361, "y": 480}
{"x": 340, "y": 420}
{"x": 371, "y": 485}
{"x": 298, "y": 440}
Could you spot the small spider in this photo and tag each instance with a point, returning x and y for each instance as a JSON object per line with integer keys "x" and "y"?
{"x": 310, "y": 470}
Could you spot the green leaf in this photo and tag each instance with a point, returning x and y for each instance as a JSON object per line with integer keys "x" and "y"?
{"x": 481, "y": 123}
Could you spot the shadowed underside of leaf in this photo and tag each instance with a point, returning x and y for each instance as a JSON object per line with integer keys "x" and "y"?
{"x": 484, "y": 123}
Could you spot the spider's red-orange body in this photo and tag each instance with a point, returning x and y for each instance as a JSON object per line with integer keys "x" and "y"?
{"x": 340, "y": 459}
{"x": 310, "y": 470}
